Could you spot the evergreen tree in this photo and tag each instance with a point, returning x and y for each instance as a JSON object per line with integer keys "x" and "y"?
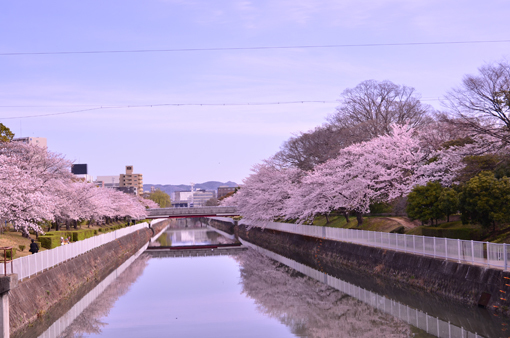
{"x": 423, "y": 202}
{"x": 448, "y": 202}
{"x": 485, "y": 200}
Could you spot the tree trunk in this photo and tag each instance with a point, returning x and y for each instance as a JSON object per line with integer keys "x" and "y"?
{"x": 68, "y": 225}
{"x": 448, "y": 218}
{"x": 57, "y": 226}
{"x": 327, "y": 218}
{"x": 75, "y": 224}
{"x": 359, "y": 217}
{"x": 346, "y": 215}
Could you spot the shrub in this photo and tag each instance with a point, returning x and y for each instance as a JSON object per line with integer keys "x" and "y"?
{"x": 8, "y": 253}
{"x": 49, "y": 242}
{"x": 78, "y": 236}
{"x": 459, "y": 233}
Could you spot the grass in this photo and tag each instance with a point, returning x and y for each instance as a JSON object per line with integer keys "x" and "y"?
{"x": 14, "y": 239}
{"x": 381, "y": 224}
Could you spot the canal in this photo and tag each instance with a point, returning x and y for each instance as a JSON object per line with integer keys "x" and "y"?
{"x": 174, "y": 290}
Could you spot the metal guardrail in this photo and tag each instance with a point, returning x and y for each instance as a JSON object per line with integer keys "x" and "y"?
{"x": 471, "y": 252}
{"x": 43, "y": 260}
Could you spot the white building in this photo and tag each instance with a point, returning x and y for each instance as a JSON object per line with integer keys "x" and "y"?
{"x": 36, "y": 141}
{"x": 109, "y": 181}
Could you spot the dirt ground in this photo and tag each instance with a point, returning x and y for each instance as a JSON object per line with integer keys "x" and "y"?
{"x": 405, "y": 222}
{"x": 14, "y": 239}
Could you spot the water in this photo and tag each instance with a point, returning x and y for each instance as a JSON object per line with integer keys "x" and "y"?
{"x": 243, "y": 295}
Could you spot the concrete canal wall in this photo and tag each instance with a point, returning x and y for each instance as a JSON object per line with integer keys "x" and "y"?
{"x": 35, "y": 296}
{"x": 464, "y": 283}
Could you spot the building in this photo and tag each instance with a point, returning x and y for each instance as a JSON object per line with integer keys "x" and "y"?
{"x": 131, "y": 180}
{"x": 182, "y": 196}
{"x": 200, "y": 196}
{"x": 224, "y": 190}
{"x": 109, "y": 181}
{"x": 128, "y": 190}
{"x": 36, "y": 141}
{"x": 99, "y": 184}
{"x": 80, "y": 171}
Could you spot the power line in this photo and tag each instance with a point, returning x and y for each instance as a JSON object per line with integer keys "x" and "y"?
{"x": 253, "y": 48}
{"x": 164, "y": 105}
{"x": 182, "y": 104}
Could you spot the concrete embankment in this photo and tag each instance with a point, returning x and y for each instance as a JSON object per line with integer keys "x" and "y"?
{"x": 405, "y": 276}
{"x": 51, "y": 290}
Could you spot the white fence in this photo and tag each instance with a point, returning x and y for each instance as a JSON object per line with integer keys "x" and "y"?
{"x": 59, "y": 326}
{"x": 414, "y": 317}
{"x": 43, "y": 260}
{"x": 473, "y": 252}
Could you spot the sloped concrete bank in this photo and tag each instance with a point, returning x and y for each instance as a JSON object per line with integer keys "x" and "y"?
{"x": 55, "y": 290}
{"x": 432, "y": 285}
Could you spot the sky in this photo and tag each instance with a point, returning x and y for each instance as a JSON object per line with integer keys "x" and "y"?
{"x": 193, "y": 143}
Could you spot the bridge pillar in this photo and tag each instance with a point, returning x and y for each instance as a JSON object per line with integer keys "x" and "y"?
{"x": 7, "y": 283}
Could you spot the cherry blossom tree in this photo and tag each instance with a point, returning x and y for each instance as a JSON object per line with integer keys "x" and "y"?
{"x": 37, "y": 186}
{"x": 380, "y": 170}
{"x": 264, "y": 194}
{"x": 30, "y": 176}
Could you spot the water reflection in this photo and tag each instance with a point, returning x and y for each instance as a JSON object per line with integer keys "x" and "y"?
{"x": 249, "y": 294}
{"x": 311, "y": 308}
{"x": 91, "y": 320}
{"x": 186, "y": 232}
{"x": 422, "y": 323}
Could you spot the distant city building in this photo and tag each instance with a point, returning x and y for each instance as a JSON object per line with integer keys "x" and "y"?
{"x": 200, "y": 196}
{"x": 109, "y": 181}
{"x": 131, "y": 180}
{"x": 128, "y": 190}
{"x": 99, "y": 184}
{"x": 223, "y": 190}
{"x": 182, "y": 196}
{"x": 80, "y": 171}
{"x": 36, "y": 141}
{"x": 180, "y": 204}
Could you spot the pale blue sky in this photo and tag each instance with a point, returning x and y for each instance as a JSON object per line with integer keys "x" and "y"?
{"x": 183, "y": 144}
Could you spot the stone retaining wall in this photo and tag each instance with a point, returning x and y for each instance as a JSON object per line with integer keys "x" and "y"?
{"x": 35, "y": 296}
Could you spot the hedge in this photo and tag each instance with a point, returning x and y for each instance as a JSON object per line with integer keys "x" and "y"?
{"x": 49, "y": 242}
{"x": 456, "y": 233}
{"x": 52, "y": 239}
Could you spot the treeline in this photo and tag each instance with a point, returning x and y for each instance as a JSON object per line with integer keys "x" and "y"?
{"x": 382, "y": 142}
{"x": 37, "y": 188}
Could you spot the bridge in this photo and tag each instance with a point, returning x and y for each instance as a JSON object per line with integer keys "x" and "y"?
{"x": 219, "y": 251}
{"x": 192, "y": 212}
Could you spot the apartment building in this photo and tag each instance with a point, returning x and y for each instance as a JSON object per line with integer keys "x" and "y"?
{"x": 131, "y": 180}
